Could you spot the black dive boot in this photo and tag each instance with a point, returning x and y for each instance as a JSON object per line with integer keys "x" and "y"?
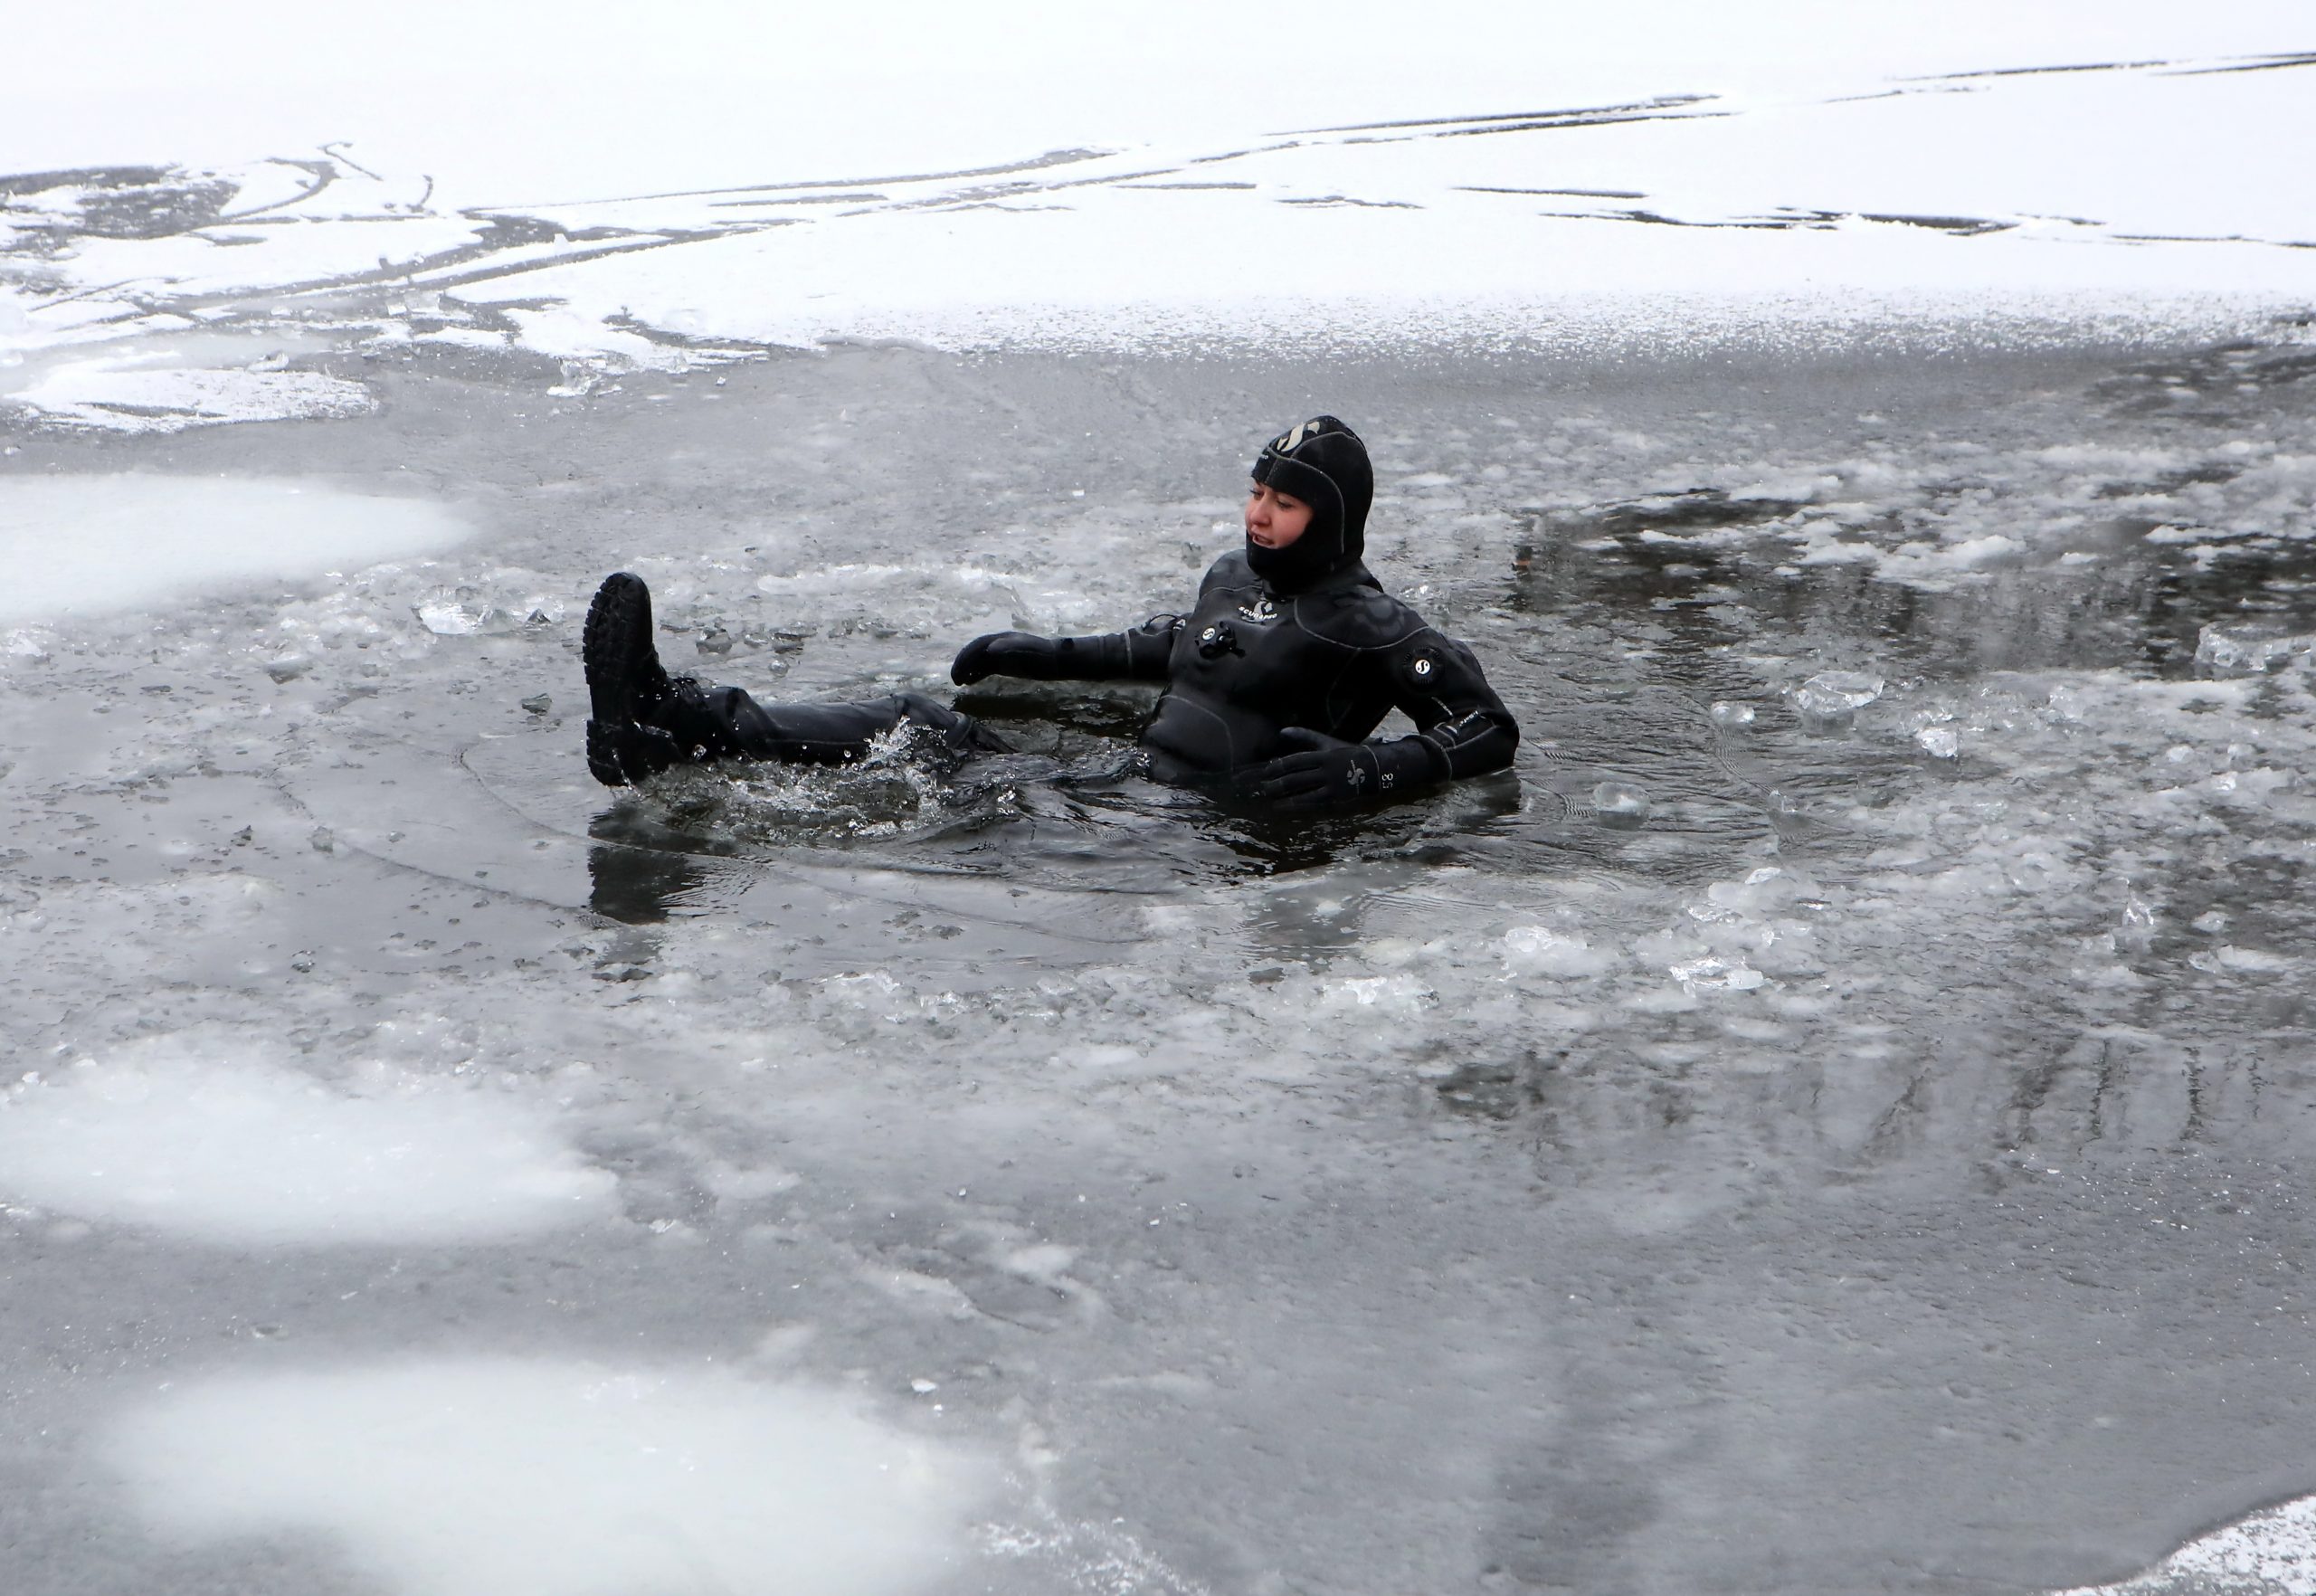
{"x": 625, "y": 683}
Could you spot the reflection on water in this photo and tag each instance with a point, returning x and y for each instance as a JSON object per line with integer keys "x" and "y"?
{"x": 639, "y": 885}
{"x": 1087, "y": 823}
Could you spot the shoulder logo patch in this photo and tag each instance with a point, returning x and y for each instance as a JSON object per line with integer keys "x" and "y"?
{"x": 1261, "y": 611}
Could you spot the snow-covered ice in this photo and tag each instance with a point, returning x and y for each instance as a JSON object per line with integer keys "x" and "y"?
{"x": 1790, "y": 173}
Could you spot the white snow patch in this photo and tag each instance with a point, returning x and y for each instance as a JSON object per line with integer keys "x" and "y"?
{"x": 91, "y": 544}
{"x": 179, "y": 1135}
{"x": 121, "y": 395}
{"x": 556, "y": 1479}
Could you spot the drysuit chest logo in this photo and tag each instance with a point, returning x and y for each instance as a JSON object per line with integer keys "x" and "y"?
{"x": 1262, "y": 612}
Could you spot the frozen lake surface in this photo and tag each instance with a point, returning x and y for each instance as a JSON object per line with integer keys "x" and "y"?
{"x": 1833, "y": 1119}
{"x": 1879, "y": 1167}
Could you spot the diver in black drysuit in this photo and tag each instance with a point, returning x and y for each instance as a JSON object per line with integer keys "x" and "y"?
{"x": 1292, "y": 657}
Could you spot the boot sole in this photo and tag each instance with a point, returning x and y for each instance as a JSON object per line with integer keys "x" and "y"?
{"x": 614, "y": 645}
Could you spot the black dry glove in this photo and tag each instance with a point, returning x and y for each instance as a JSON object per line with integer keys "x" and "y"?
{"x": 1325, "y": 771}
{"x": 1006, "y": 653}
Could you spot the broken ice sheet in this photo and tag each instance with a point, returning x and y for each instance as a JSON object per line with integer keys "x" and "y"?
{"x": 198, "y": 1135}
{"x": 94, "y": 544}
{"x": 554, "y": 1478}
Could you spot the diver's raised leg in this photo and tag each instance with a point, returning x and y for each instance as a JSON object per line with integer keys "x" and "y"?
{"x": 626, "y": 685}
{"x": 641, "y": 720}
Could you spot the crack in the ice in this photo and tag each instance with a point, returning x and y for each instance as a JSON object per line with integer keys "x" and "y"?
{"x": 2040, "y": 72}
{"x": 324, "y": 173}
{"x": 1659, "y": 105}
{"x": 1624, "y": 193}
{"x": 1052, "y": 157}
{"x": 2266, "y": 64}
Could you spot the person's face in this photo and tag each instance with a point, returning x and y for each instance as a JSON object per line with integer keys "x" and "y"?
{"x": 1273, "y": 519}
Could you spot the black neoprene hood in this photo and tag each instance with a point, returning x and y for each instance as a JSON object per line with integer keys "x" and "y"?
{"x": 1322, "y": 462}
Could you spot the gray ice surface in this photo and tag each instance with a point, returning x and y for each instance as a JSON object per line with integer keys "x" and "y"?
{"x": 1845, "y": 1159}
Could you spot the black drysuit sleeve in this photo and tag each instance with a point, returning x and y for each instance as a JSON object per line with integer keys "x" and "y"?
{"x": 1136, "y": 654}
{"x": 1464, "y": 726}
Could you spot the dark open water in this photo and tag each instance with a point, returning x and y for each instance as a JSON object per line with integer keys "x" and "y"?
{"x": 1881, "y": 1167}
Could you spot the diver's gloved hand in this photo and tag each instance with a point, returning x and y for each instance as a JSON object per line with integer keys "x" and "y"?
{"x": 1322, "y": 771}
{"x": 1006, "y": 653}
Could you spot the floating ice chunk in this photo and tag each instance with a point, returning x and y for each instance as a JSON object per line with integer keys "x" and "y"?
{"x": 182, "y": 1135}
{"x": 1622, "y": 805}
{"x": 556, "y": 1479}
{"x": 2244, "y": 961}
{"x": 1402, "y": 992}
{"x": 1768, "y": 888}
{"x": 1729, "y": 713}
{"x": 462, "y": 612}
{"x": 1973, "y": 552}
{"x": 1723, "y": 974}
{"x": 1543, "y": 951}
{"x": 1939, "y": 742}
{"x": 1837, "y": 695}
{"x": 2240, "y": 651}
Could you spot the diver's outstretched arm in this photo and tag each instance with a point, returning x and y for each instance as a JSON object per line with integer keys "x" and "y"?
{"x": 1138, "y": 654}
